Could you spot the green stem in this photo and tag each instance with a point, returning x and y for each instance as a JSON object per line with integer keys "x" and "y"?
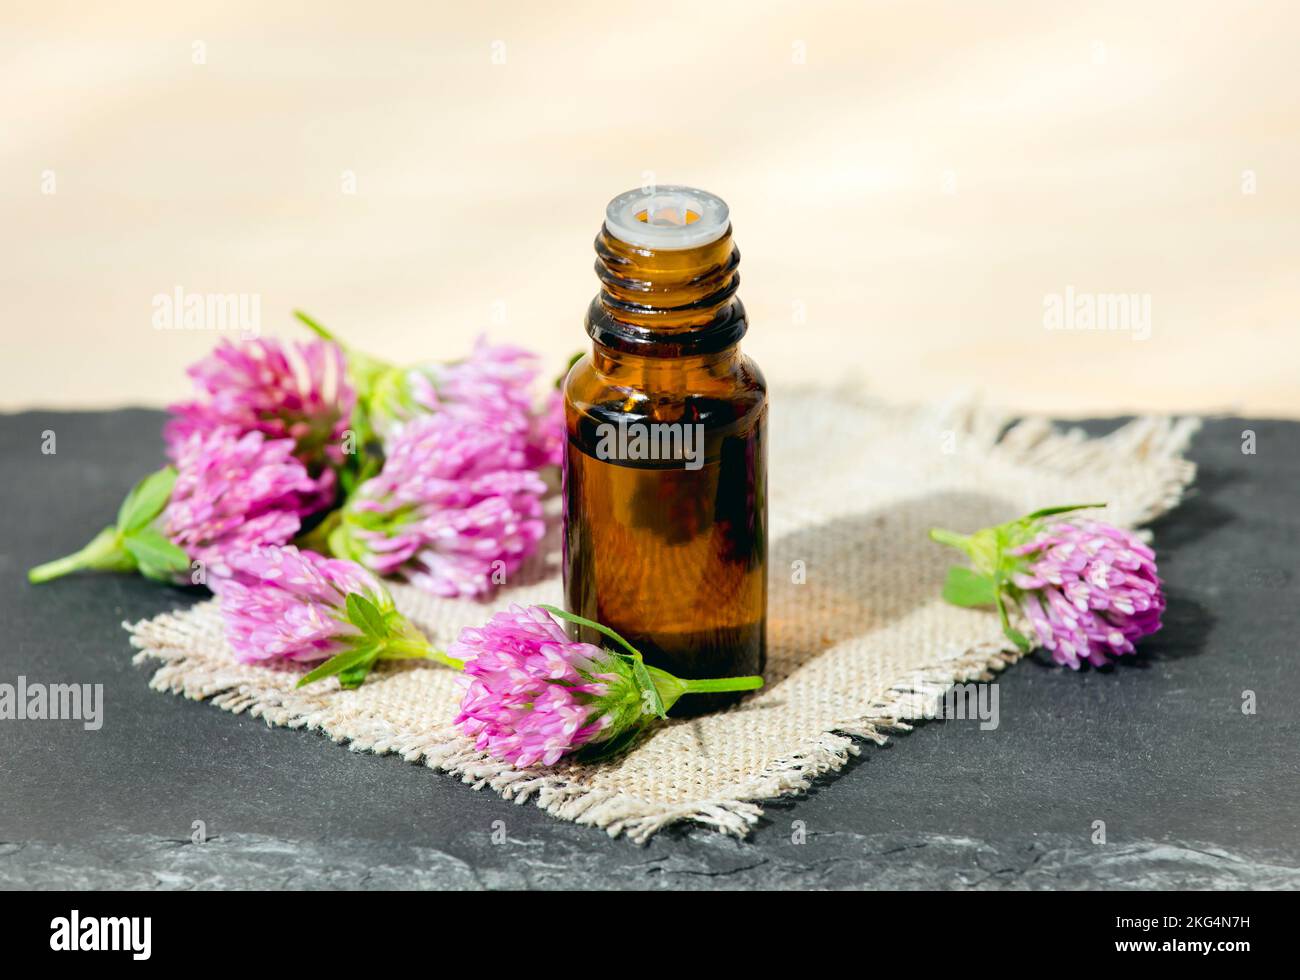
{"x": 591, "y": 624}
{"x": 1053, "y": 511}
{"x": 670, "y": 687}
{"x": 104, "y": 552}
{"x": 395, "y": 649}
{"x": 315, "y": 327}
{"x": 362, "y": 368}
{"x": 713, "y": 684}
{"x": 951, "y": 538}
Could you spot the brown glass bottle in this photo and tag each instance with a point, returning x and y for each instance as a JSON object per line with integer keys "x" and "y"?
{"x": 665, "y": 538}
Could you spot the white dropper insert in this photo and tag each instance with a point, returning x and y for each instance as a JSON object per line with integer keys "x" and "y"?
{"x": 667, "y": 217}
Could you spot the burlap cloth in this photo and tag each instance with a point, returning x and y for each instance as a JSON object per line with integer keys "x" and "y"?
{"x": 857, "y": 648}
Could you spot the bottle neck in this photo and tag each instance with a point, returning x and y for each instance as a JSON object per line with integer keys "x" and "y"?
{"x": 667, "y": 302}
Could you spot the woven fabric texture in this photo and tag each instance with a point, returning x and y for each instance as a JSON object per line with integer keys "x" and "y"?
{"x": 859, "y": 640}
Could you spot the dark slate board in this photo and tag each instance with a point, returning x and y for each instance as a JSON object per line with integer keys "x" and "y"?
{"x": 1193, "y": 792}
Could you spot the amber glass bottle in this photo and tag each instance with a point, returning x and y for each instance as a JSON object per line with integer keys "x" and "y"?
{"x": 665, "y": 502}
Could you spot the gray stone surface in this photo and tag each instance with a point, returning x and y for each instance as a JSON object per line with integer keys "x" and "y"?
{"x": 1193, "y": 792}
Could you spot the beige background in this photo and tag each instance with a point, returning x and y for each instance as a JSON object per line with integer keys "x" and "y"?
{"x": 908, "y": 181}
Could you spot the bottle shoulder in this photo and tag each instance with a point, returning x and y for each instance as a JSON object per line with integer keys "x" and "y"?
{"x": 585, "y": 381}
{"x": 721, "y": 393}
{"x": 752, "y": 374}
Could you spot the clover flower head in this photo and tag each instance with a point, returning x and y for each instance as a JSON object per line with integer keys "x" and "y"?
{"x": 533, "y": 695}
{"x": 1090, "y": 591}
{"x": 491, "y": 386}
{"x": 454, "y": 509}
{"x": 233, "y": 492}
{"x": 285, "y": 391}
{"x": 282, "y": 603}
{"x": 492, "y": 383}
